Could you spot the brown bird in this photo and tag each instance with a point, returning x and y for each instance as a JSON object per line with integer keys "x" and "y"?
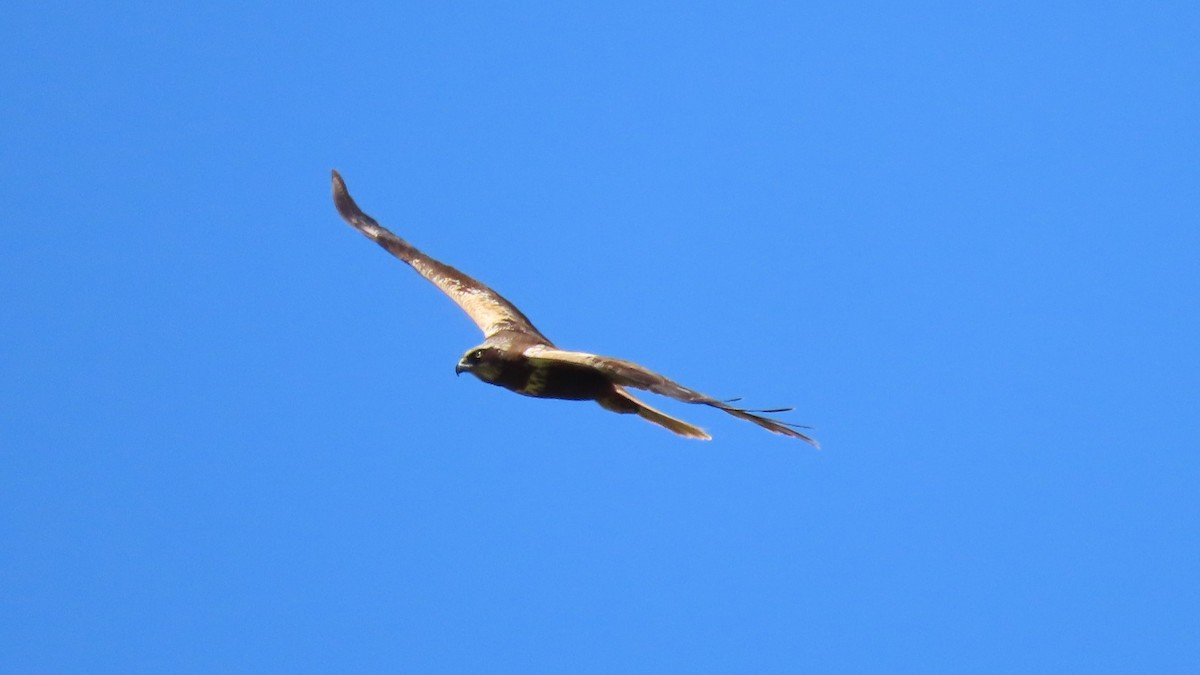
{"x": 516, "y": 356}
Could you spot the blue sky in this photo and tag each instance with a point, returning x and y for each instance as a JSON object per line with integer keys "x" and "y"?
{"x": 961, "y": 240}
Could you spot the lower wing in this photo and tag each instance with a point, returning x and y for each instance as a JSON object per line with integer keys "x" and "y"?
{"x": 629, "y": 374}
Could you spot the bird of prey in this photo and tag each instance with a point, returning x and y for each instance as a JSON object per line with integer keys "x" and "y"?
{"x": 516, "y": 356}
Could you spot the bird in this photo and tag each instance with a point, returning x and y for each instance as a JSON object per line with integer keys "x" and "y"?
{"x": 517, "y": 356}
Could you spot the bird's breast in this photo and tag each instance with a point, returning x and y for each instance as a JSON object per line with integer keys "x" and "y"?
{"x": 564, "y": 381}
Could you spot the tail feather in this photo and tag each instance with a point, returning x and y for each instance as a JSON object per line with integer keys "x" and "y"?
{"x": 624, "y": 402}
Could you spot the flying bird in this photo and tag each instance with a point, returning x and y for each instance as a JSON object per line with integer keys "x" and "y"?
{"x": 516, "y": 356}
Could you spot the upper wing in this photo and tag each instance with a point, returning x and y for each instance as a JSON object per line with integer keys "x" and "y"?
{"x": 629, "y": 374}
{"x": 491, "y": 312}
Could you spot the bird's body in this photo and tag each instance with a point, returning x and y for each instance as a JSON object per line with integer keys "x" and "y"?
{"x": 517, "y": 357}
{"x": 511, "y": 370}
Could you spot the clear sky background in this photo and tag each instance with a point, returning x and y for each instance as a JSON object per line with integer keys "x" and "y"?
{"x": 960, "y": 238}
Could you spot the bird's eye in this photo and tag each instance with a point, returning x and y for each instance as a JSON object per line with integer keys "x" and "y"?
{"x": 478, "y": 355}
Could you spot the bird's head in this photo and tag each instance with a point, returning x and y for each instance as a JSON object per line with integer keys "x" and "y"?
{"x": 482, "y": 362}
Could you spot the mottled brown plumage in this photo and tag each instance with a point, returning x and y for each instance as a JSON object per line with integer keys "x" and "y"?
{"x": 516, "y": 356}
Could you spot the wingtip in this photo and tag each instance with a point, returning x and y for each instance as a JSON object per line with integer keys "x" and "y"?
{"x": 804, "y": 437}
{"x": 341, "y": 198}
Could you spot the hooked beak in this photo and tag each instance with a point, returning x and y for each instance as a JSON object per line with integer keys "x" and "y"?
{"x": 460, "y": 368}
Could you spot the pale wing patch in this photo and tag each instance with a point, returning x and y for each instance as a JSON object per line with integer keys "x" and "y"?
{"x": 490, "y": 312}
{"x": 487, "y": 308}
